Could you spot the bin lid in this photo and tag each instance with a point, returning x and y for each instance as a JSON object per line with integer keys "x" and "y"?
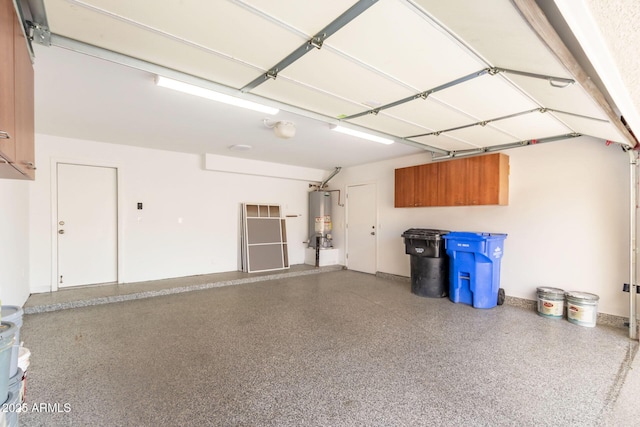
{"x": 11, "y": 312}
{"x": 424, "y": 233}
{"x": 474, "y": 236}
{"x": 584, "y": 296}
{"x": 550, "y": 291}
{"x": 7, "y": 330}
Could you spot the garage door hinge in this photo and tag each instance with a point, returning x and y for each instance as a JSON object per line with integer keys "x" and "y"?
{"x": 317, "y": 41}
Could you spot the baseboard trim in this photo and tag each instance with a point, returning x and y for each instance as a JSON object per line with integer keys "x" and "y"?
{"x": 603, "y": 318}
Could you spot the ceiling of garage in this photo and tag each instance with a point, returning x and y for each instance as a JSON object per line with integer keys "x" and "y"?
{"x": 433, "y": 75}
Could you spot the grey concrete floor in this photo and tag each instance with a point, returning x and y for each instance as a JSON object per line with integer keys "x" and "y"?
{"x": 337, "y": 348}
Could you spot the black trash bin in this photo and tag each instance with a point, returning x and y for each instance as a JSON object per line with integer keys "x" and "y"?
{"x": 429, "y": 262}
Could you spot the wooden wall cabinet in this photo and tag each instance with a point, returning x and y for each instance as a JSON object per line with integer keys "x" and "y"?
{"x": 482, "y": 180}
{"x": 416, "y": 186}
{"x": 17, "y": 156}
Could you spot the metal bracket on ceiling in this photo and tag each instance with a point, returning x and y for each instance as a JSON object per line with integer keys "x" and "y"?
{"x": 38, "y": 33}
{"x": 316, "y": 41}
{"x": 271, "y": 74}
{"x": 34, "y": 22}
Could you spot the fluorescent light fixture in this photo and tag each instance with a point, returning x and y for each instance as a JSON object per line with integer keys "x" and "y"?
{"x": 213, "y": 95}
{"x": 362, "y": 135}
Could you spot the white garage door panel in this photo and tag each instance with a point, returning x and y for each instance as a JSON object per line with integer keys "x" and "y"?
{"x": 482, "y": 136}
{"x": 292, "y": 93}
{"x": 338, "y": 75}
{"x": 385, "y": 123}
{"x": 497, "y": 31}
{"x": 93, "y": 28}
{"x": 532, "y": 126}
{"x": 604, "y": 130}
{"x": 215, "y": 24}
{"x": 431, "y": 114}
{"x": 486, "y": 97}
{"x": 572, "y": 98}
{"x": 428, "y": 58}
{"x": 310, "y": 19}
{"x": 444, "y": 142}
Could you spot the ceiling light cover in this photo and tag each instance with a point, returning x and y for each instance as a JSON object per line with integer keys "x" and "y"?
{"x": 284, "y": 129}
{"x": 213, "y": 95}
{"x": 362, "y": 135}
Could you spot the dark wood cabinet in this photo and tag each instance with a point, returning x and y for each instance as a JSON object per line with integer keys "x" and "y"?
{"x": 17, "y": 159}
{"x": 482, "y": 180}
{"x": 426, "y": 185}
{"x": 404, "y": 187}
{"x": 416, "y": 186}
{"x": 488, "y": 180}
{"x": 452, "y": 179}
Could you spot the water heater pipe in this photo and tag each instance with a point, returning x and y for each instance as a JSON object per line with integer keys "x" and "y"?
{"x": 334, "y": 173}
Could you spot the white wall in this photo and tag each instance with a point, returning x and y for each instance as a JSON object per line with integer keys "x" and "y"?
{"x": 171, "y": 186}
{"x": 14, "y": 241}
{"x": 567, "y": 219}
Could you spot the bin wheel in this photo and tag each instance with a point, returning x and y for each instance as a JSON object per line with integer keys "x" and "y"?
{"x": 501, "y": 296}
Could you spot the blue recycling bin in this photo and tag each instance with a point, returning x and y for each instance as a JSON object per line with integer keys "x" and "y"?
{"x": 474, "y": 271}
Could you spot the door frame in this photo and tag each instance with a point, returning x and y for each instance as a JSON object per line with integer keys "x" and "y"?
{"x": 346, "y": 220}
{"x": 54, "y": 212}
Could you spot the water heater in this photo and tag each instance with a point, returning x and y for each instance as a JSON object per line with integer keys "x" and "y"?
{"x": 320, "y": 219}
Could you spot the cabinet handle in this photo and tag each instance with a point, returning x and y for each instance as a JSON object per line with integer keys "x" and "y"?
{"x": 3, "y": 161}
{"x": 4, "y": 135}
{"x": 30, "y": 165}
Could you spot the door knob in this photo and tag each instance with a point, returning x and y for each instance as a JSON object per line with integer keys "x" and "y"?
{"x": 373, "y": 233}
{"x": 60, "y": 231}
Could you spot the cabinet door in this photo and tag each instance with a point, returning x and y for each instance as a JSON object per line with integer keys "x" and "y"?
{"x": 405, "y": 187}
{"x": 452, "y": 183}
{"x": 7, "y": 96}
{"x": 24, "y": 105}
{"x": 426, "y": 185}
{"x": 488, "y": 180}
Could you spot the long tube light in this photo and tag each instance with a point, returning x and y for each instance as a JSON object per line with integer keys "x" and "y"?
{"x": 213, "y": 95}
{"x": 363, "y": 135}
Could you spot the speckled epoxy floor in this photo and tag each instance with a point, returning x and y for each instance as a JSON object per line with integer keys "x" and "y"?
{"x": 338, "y": 348}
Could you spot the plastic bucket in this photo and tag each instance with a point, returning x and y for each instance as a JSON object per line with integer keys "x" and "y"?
{"x": 15, "y": 384}
{"x": 582, "y": 308}
{"x": 551, "y": 302}
{"x": 12, "y": 407}
{"x": 7, "y": 332}
{"x": 13, "y": 314}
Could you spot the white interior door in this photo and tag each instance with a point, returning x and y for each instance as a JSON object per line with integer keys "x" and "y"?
{"x": 361, "y": 228}
{"x": 87, "y": 223}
